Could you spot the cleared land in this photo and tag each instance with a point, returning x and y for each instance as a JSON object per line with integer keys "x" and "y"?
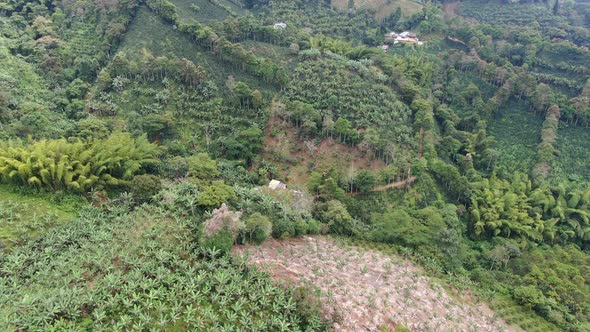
{"x": 367, "y": 290}
{"x": 295, "y": 157}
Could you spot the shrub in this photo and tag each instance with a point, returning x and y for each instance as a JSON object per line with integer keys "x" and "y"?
{"x": 365, "y": 180}
{"x": 221, "y": 230}
{"x": 338, "y": 218}
{"x": 176, "y": 167}
{"x": 221, "y": 241}
{"x": 528, "y": 296}
{"x": 216, "y": 194}
{"x": 502, "y": 253}
{"x": 283, "y": 228}
{"x": 300, "y": 227}
{"x": 314, "y": 226}
{"x": 121, "y": 205}
{"x": 420, "y": 228}
{"x": 58, "y": 196}
{"x": 201, "y": 166}
{"x": 258, "y": 228}
{"x": 308, "y": 303}
{"x": 144, "y": 187}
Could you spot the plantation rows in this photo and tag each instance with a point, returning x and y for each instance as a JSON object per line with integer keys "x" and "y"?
{"x": 338, "y": 88}
{"x": 321, "y": 19}
{"x": 519, "y": 15}
{"x": 141, "y": 271}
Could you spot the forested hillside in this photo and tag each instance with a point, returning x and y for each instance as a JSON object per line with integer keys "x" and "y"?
{"x": 138, "y": 139}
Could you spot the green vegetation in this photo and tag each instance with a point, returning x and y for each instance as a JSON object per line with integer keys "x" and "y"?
{"x": 382, "y": 9}
{"x": 514, "y": 124}
{"x": 345, "y": 95}
{"x": 161, "y": 122}
{"x": 61, "y": 165}
{"x": 28, "y": 217}
{"x": 572, "y": 145}
{"x": 511, "y": 14}
{"x": 201, "y": 10}
{"x": 321, "y": 19}
{"x": 142, "y": 271}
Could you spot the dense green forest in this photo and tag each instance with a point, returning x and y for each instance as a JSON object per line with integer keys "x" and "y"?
{"x": 137, "y": 139}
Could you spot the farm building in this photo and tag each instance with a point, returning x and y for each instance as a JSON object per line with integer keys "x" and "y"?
{"x": 280, "y": 26}
{"x": 276, "y": 184}
{"x": 405, "y": 37}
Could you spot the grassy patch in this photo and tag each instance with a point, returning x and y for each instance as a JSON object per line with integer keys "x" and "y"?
{"x": 277, "y": 54}
{"x": 149, "y": 32}
{"x": 24, "y": 217}
{"x": 202, "y": 10}
{"x": 573, "y": 144}
{"x": 19, "y": 78}
{"x": 517, "y": 133}
{"x": 515, "y": 314}
{"x": 207, "y": 11}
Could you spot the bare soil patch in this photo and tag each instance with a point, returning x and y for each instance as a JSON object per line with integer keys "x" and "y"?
{"x": 398, "y": 184}
{"x": 283, "y": 147}
{"x": 367, "y": 290}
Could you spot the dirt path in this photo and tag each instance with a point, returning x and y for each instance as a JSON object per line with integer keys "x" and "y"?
{"x": 398, "y": 184}
{"x": 456, "y": 40}
{"x": 365, "y": 290}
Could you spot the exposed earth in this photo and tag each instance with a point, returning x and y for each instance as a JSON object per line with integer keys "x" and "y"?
{"x": 367, "y": 290}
